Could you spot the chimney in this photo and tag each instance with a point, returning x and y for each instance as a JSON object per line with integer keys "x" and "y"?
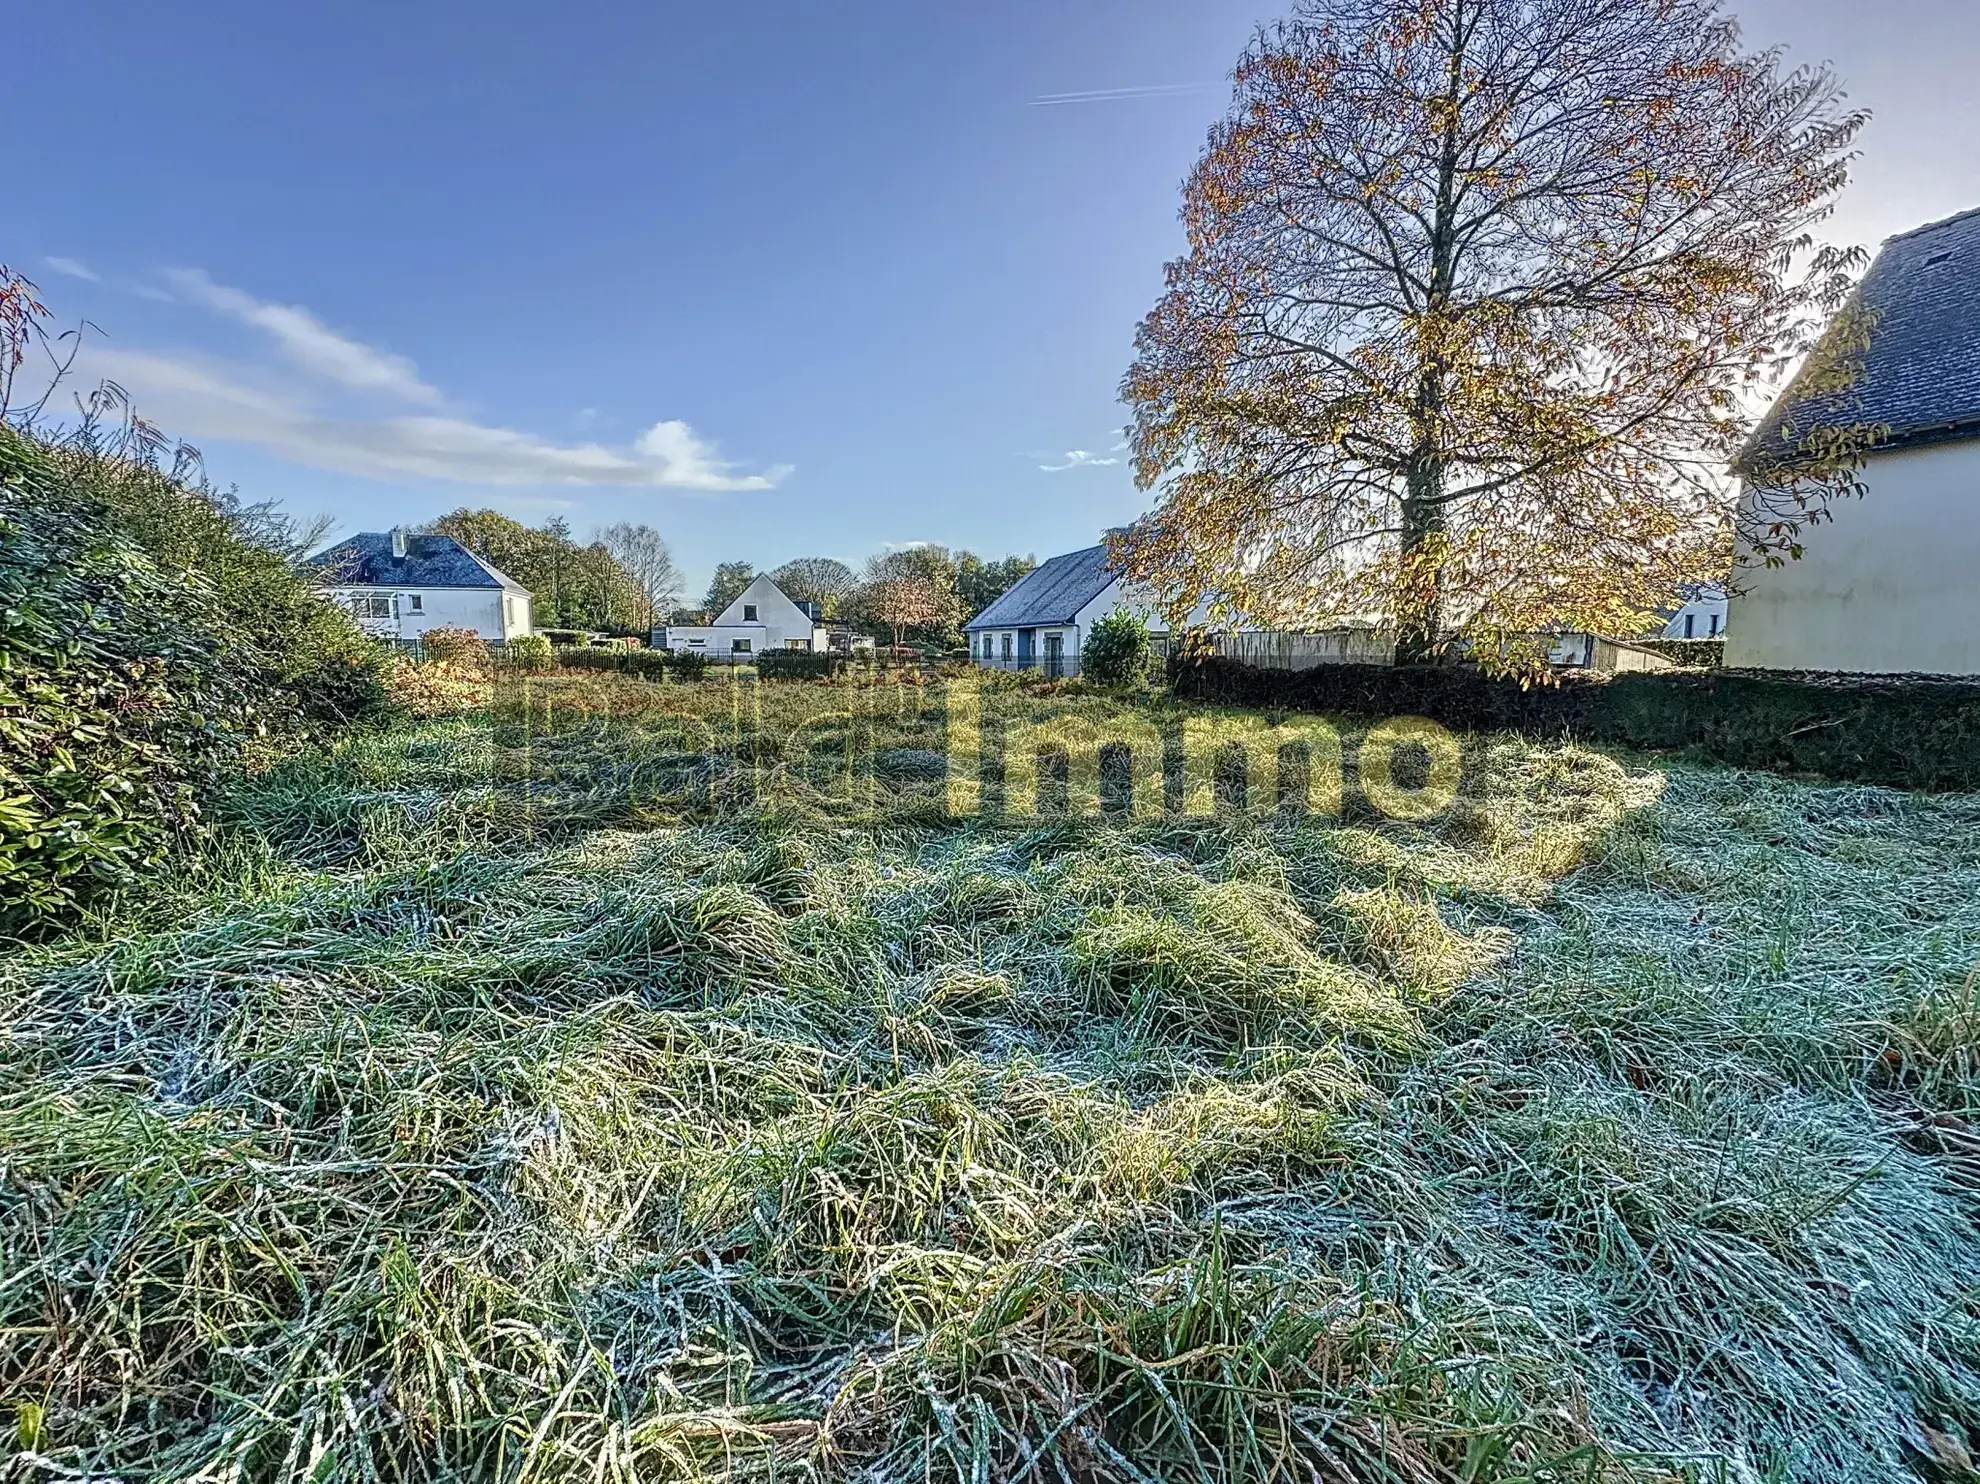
{"x": 398, "y": 543}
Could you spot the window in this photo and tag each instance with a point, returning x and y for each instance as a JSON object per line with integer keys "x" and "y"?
{"x": 367, "y": 606}
{"x": 1689, "y": 620}
{"x": 797, "y": 644}
{"x": 416, "y": 603}
{"x": 1007, "y": 646}
{"x": 693, "y": 643}
{"x": 1715, "y": 626}
{"x": 749, "y": 615}
{"x": 740, "y": 646}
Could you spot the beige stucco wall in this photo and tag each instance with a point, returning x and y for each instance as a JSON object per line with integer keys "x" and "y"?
{"x": 1891, "y": 585}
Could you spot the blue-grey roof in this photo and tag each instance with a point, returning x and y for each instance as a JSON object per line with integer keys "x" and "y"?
{"x": 366, "y": 560}
{"x": 1051, "y": 592}
{"x": 1920, "y": 375}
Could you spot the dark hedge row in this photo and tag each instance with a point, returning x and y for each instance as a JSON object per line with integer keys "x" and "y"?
{"x": 1697, "y": 654}
{"x": 1900, "y": 731}
{"x": 649, "y": 664}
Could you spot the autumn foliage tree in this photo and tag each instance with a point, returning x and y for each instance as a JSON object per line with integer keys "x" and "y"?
{"x": 1479, "y": 301}
{"x": 910, "y": 589}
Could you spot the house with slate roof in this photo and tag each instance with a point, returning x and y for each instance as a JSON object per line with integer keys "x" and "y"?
{"x": 1891, "y": 585}
{"x": 399, "y": 584}
{"x": 1039, "y": 621}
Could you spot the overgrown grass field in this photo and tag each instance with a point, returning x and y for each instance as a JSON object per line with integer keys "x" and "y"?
{"x": 472, "y": 1120}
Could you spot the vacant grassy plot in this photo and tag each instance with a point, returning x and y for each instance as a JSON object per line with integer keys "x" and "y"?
{"x": 475, "y": 1122}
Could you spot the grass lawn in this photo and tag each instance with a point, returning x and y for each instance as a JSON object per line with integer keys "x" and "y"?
{"x": 475, "y": 1118}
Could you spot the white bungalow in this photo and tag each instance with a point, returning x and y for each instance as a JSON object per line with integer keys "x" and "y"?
{"x": 399, "y": 585}
{"x": 1040, "y": 621}
{"x": 760, "y": 618}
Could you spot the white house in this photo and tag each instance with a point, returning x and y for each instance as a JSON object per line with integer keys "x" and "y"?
{"x": 760, "y": 618}
{"x": 398, "y": 585}
{"x": 1702, "y": 614}
{"x": 1040, "y": 621}
{"x": 1892, "y": 583}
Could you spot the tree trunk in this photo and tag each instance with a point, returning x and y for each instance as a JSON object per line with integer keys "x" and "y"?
{"x": 1419, "y": 599}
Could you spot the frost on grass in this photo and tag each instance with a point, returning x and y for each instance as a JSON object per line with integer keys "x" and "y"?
{"x": 1613, "y": 1127}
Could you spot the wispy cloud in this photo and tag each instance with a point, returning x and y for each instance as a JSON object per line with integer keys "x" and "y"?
{"x": 312, "y": 419}
{"x": 70, "y": 268}
{"x": 1120, "y": 95}
{"x": 206, "y": 401}
{"x": 1077, "y": 458}
{"x": 309, "y": 343}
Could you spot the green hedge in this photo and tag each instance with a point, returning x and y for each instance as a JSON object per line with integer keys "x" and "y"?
{"x": 1900, "y": 731}
{"x": 119, "y": 703}
{"x": 1693, "y": 654}
{"x": 800, "y": 664}
{"x": 647, "y": 664}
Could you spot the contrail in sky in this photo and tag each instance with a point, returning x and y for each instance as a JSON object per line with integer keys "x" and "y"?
{"x": 1118, "y": 95}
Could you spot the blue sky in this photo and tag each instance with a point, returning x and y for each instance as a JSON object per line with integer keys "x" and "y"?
{"x": 780, "y": 279}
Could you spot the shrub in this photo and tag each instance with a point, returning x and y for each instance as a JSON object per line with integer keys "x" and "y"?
{"x": 119, "y": 701}
{"x": 1693, "y": 654}
{"x": 1117, "y": 650}
{"x": 561, "y": 637}
{"x": 685, "y": 666}
{"x": 529, "y": 652}
{"x": 278, "y": 623}
{"x": 799, "y": 664}
{"x": 1900, "y": 731}
{"x": 462, "y": 648}
{"x": 430, "y": 688}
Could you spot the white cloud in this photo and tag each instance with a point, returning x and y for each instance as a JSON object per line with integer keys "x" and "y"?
{"x": 70, "y": 268}
{"x": 311, "y": 344}
{"x": 1077, "y": 458}
{"x": 205, "y": 401}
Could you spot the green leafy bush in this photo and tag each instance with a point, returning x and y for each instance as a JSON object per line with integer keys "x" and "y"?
{"x": 153, "y": 635}
{"x": 280, "y": 627}
{"x": 1693, "y": 654}
{"x": 1117, "y": 650}
{"x": 118, "y": 699}
{"x": 463, "y": 648}
{"x": 529, "y": 652}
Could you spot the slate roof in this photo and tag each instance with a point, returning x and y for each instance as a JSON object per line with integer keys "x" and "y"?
{"x": 366, "y": 560}
{"x": 1921, "y": 372}
{"x": 1051, "y": 592}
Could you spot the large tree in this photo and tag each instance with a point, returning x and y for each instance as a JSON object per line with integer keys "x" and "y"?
{"x": 980, "y": 582}
{"x": 645, "y": 556}
{"x": 1480, "y": 299}
{"x": 826, "y": 581}
{"x": 571, "y": 586}
{"x": 913, "y": 589}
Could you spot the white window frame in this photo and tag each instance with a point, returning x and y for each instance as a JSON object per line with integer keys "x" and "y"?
{"x": 740, "y": 646}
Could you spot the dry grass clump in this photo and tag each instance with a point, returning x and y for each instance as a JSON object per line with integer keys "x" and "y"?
{"x": 471, "y": 1134}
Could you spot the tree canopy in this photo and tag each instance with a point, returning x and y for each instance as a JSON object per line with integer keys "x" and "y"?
{"x": 826, "y": 581}
{"x": 1480, "y": 299}
{"x": 981, "y": 582}
{"x": 571, "y": 586}
{"x": 645, "y": 555}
